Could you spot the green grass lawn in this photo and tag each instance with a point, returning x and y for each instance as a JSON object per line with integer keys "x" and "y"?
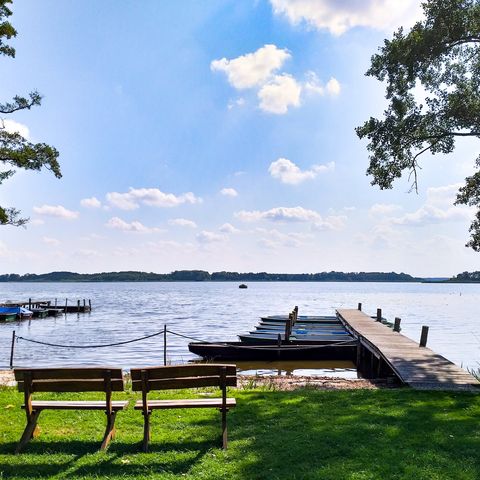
{"x": 304, "y": 434}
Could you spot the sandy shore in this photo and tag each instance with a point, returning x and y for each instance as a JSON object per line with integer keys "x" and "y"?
{"x": 286, "y": 382}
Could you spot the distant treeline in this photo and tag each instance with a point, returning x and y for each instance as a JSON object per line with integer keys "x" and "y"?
{"x": 466, "y": 277}
{"x": 203, "y": 276}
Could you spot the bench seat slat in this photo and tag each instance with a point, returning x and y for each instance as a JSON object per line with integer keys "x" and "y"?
{"x": 72, "y": 385}
{"x": 193, "y": 403}
{"x": 179, "y": 371}
{"x": 185, "y": 382}
{"x": 77, "y": 405}
{"x": 54, "y": 373}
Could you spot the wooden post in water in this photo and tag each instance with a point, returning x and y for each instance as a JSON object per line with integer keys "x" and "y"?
{"x": 360, "y": 306}
{"x": 78, "y": 305}
{"x": 12, "y": 349}
{"x": 424, "y": 336}
{"x": 84, "y": 303}
{"x": 396, "y": 325}
{"x": 89, "y": 304}
{"x": 29, "y": 303}
{"x": 379, "y": 314}
{"x": 279, "y": 340}
{"x": 66, "y": 304}
{"x": 165, "y": 345}
{"x": 55, "y": 303}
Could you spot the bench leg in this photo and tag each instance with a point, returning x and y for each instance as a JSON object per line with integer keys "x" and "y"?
{"x": 224, "y": 429}
{"x": 109, "y": 431}
{"x": 146, "y": 431}
{"x": 30, "y": 431}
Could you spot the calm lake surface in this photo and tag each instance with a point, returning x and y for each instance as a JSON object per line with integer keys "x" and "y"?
{"x": 219, "y": 311}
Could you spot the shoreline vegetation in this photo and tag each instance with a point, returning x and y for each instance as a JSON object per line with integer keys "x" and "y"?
{"x": 204, "y": 276}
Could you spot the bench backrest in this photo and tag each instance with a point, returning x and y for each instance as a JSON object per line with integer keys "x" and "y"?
{"x": 75, "y": 379}
{"x": 184, "y": 376}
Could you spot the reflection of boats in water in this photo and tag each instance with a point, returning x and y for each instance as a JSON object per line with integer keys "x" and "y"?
{"x": 241, "y": 351}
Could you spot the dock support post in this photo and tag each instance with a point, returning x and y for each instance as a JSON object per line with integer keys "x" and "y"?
{"x": 29, "y": 303}
{"x": 84, "y": 304}
{"x": 55, "y": 303}
{"x": 66, "y": 305}
{"x": 379, "y": 314}
{"x": 78, "y": 305}
{"x": 89, "y": 304}
{"x": 12, "y": 349}
{"x": 279, "y": 340}
{"x": 165, "y": 345}
{"x": 424, "y": 336}
{"x": 396, "y": 325}
{"x": 360, "y": 306}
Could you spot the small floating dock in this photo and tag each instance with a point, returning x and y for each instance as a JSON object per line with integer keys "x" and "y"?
{"x": 383, "y": 351}
{"x": 66, "y": 306}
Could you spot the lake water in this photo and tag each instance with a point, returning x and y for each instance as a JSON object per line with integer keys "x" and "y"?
{"x": 219, "y": 311}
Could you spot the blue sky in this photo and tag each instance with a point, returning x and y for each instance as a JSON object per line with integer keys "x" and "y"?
{"x": 217, "y": 135}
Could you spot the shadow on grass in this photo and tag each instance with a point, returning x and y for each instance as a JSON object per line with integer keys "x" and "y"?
{"x": 304, "y": 434}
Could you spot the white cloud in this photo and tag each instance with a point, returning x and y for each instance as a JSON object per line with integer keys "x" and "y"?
{"x": 154, "y": 197}
{"x": 252, "y": 69}
{"x": 229, "y": 192}
{"x": 228, "y": 228}
{"x": 276, "y": 91}
{"x": 279, "y": 93}
{"x": 429, "y": 214}
{"x": 87, "y": 253}
{"x": 288, "y": 172}
{"x": 56, "y": 211}
{"x": 438, "y": 208}
{"x": 37, "y": 222}
{"x": 209, "y": 237}
{"x": 339, "y": 16}
{"x": 11, "y": 126}
{"x": 384, "y": 209}
{"x": 294, "y": 214}
{"x": 91, "y": 202}
{"x": 313, "y": 85}
{"x": 274, "y": 238}
{"x": 239, "y": 102}
{"x": 333, "y": 87}
{"x": 135, "y": 226}
{"x": 51, "y": 241}
{"x": 183, "y": 222}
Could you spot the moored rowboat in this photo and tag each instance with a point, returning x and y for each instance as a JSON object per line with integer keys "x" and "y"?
{"x": 240, "y": 351}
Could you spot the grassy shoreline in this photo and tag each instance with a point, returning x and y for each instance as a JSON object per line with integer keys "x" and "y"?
{"x": 300, "y": 434}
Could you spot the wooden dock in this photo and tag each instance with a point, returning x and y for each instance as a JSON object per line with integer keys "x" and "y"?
{"x": 383, "y": 350}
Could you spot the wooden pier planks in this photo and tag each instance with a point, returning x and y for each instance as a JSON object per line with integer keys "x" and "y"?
{"x": 418, "y": 367}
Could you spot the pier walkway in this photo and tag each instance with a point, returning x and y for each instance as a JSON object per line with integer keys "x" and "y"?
{"x": 417, "y": 367}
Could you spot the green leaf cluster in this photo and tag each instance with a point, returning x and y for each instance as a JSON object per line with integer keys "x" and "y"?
{"x": 440, "y": 57}
{"x": 15, "y": 150}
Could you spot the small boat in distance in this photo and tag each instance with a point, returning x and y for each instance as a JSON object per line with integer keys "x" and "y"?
{"x": 243, "y": 285}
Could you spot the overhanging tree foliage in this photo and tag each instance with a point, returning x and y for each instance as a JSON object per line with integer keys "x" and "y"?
{"x": 15, "y": 150}
{"x": 442, "y": 54}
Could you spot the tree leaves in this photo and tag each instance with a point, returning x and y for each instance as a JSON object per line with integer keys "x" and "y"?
{"x": 441, "y": 55}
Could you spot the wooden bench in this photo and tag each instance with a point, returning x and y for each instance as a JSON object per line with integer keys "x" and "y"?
{"x": 83, "y": 379}
{"x": 185, "y": 376}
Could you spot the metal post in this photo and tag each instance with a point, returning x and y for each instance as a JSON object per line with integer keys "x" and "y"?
{"x": 424, "y": 336}
{"x": 165, "y": 345}
{"x": 379, "y": 314}
{"x": 396, "y": 325}
{"x": 12, "y": 349}
{"x": 360, "y": 306}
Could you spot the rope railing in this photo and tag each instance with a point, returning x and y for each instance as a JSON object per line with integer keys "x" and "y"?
{"x": 16, "y": 338}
